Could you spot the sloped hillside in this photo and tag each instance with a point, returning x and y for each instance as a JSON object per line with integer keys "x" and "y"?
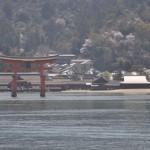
{"x": 114, "y": 33}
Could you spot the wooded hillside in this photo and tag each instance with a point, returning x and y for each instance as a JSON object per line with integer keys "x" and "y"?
{"x": 114, "y": 33}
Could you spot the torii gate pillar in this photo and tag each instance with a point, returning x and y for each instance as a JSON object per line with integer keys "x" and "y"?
{"x": 42, "y": 80}
{"x": 14, "y": 81}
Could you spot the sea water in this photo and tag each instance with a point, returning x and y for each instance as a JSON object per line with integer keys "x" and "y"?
{"x": 74, "y": 122}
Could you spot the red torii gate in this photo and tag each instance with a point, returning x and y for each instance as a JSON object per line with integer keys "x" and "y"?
{"x": 16, "y": 61}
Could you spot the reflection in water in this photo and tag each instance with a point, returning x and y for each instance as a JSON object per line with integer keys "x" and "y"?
{"x": 93, "y": 123}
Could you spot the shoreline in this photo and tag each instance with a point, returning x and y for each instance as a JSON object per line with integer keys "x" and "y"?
{"x": 111, "y": 92}
{"x": 80, "y": 95}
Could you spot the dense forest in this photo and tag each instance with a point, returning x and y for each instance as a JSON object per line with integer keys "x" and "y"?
{"x": 113, "y": 33}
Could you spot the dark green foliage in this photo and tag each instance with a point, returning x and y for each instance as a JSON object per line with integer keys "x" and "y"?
{"x": 7, "y": 9}
{"x": 48, "y": 9}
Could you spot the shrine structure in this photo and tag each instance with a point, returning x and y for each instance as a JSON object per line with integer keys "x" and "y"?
{"x": 16, "y": 63}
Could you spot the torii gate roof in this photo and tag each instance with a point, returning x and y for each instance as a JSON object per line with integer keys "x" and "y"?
{"x": 29, "y": 59}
